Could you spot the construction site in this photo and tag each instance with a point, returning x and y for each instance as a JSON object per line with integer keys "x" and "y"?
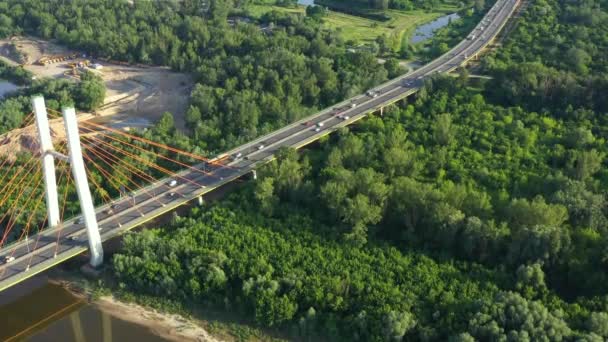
{"x": 136, "y": 95}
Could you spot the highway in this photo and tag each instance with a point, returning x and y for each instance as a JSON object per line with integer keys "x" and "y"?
{"x": 44, "y": 250}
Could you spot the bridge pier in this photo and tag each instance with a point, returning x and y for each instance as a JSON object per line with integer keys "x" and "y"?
{"x": 254, "y": 175}
{"x": 106, "y": 325}
{"x": 201, "y": 201}
{"x": 82, "y": 187}
{"x": 77, "y": 327}
{"x": 381, "y": 111}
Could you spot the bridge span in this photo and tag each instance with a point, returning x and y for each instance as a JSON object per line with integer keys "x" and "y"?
{"x": 154, "y": 200}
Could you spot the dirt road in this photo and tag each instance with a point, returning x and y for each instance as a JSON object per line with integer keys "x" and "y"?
{"x": 132, "y": 92}
{"x": 135, "y": 96}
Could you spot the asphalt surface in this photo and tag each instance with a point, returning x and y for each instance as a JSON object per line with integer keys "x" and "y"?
{"x": 45, "y": 249}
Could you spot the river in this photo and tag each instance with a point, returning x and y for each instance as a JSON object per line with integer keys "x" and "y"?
{"x": 6, "y": 87}
{"x": 426, "y": 31}
{"x": 37, "y": 310}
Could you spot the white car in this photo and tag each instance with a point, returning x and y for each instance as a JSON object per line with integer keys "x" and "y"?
{"x": 346, "y": 117}
{"x": 320, "y": 124}
{"x": 73, "y": 238}
{"x": 9, "y": 258}
{"x": 317, "y": 129}
{"x": 353, "y": 105}
{"x": 172, "y": 182}
{"x": 261, "y": 147}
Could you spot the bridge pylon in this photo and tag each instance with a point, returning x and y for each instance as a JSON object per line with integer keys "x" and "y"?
{"x": 80, "y": 177}
{"x": 82, "y": 186}
{"x": 48, "y": 160}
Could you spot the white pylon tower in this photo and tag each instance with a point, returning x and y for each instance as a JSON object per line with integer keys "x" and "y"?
{"x": 78, "y": 171}
{"x": 48, "y": 160}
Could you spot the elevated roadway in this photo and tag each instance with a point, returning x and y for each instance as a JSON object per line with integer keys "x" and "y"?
{"x": 44, "y": 250}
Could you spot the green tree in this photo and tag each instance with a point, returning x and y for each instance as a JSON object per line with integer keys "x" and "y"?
{"x": 91, "y": 91}
{"x": 397, "y": 324}
{"x": 444, "y": 130}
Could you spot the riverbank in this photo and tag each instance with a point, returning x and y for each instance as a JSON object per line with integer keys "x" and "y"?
{"x": 168, "y": 320}
{"x": 168, "y": 326}
{"x": 172, "y": 327}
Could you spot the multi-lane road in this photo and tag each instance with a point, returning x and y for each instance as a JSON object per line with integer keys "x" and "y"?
{"x": 55, "y": 245}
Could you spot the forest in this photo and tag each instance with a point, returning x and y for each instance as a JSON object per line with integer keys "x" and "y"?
{"x": 501, "y": 182}
{"x": 249, "y": 81}
{"x": 87, "y": 95}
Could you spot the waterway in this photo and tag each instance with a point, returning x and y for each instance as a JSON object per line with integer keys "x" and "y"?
{"x": 40, "y": 310}
{"x": 6, "y": 87}
{"x": 306, "y": 2}
{"x": 426, "y": 31}
{"x": 37, "y": 310}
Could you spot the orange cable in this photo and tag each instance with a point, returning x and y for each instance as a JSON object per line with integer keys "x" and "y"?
{"x": 132, "y": 169}
{"x": 37, "y": 235}
{"x": 12, "y": 220}
{"x": 113, "y": 184}
{"x": 160, "y": 168}
{"x": 88, "y": 148}
{"x": 157, "y": 154}
{"x": 10, "y": 182}
{"x": 11, "y": 209}
{"x": 65, "y": 200}
{"x": 192, "y": 155}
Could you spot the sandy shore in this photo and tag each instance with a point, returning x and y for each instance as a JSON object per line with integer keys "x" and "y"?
{"x": 169, "y": 326}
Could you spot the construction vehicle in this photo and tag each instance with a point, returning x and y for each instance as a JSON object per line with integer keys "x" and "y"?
{"x": 55, "y": 59}
{"x": 79, "y": 64}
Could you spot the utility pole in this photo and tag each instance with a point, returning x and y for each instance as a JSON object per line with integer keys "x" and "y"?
{"x": 82, "y": 186}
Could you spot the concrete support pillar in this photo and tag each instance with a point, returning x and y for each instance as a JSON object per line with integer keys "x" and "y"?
{"x": 106, "y": 325}
{"x": 254, "y": 175}
{"x": 77, "y": 327}
{"x": 48, "y": 161}
{"x": 82, "y": 186}
{"x": 381, "y": 111}
{"x": 201, "y": 201}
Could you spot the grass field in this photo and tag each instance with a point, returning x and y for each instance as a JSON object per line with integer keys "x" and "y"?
{"x": 363, "y": 30}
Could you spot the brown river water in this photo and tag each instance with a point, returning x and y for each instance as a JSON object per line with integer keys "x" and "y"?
{"x": 38, "y": 310}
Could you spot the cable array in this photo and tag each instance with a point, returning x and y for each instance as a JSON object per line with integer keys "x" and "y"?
{"x": 116, "y": 163}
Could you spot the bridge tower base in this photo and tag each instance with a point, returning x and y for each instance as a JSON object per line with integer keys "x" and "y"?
{"x": 254, "y": 175}
{"x": 82, "y": 187}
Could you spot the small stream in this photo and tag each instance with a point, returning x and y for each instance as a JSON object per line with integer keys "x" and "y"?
{"x": 6, "y": 87}
{"x": 426, "y": 31}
